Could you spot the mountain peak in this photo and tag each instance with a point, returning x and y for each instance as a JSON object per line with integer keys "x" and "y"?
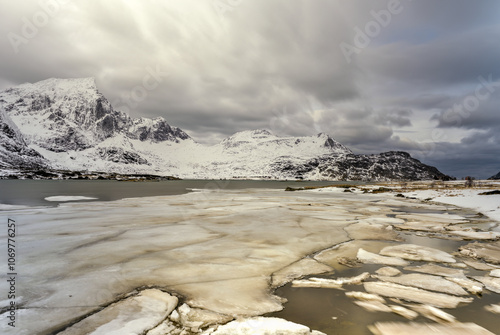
{"x": 261, "y": 132}
{"x": 249, "y": 136}
{"x": 71, "y": 114}
{"x": 257, "y": 133}
{"x": 65, "y": 86}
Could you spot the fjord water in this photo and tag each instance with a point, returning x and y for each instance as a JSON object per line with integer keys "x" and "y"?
{"x": 34, "y": 192}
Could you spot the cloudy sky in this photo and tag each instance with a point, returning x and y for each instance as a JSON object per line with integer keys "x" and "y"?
{"x": 420, "y": 76}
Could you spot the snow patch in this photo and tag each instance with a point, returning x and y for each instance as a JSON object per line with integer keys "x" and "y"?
{"x": 63, "y": 198}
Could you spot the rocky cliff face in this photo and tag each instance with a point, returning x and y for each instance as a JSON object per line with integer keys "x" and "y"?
{"x": 156, "y": 130}
{"x": 14, "y": 153}
{"x": 387, "y": 166}
{"x": 71, "y": 114}
{"x": 68, "y": 124}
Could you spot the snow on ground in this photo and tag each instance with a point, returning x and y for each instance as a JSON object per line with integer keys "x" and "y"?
{"x": 488, "y": 205}
{"x": 454, "y": 194}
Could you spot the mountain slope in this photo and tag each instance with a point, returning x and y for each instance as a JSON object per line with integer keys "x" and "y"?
{"x": 70, "y": 114}
{"x": 495, "y": 177}
{"x": 68, "y": 124}
{"x": 387, "y": 166}
{"x": 14, "y": 153}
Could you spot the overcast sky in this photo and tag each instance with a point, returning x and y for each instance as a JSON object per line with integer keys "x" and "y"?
{"x": 420, "y": 76}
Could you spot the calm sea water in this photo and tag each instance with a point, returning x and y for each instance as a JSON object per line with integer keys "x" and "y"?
{"x": 34, "y": 192}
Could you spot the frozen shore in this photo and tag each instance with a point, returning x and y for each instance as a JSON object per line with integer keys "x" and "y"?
{"x": 188, "y": 264}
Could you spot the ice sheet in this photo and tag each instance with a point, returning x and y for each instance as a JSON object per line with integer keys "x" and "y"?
{"x": 218, "y": 249}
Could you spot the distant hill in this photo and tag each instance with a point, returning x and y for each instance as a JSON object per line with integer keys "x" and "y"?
{"x": 495, "y": 177}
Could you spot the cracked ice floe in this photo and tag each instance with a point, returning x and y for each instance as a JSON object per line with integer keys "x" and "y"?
{"x": 495, "y": 273}
{"x": 489, "y": 252}
{"x": 339, "y": 255}
{"x": 262, "y": 326}
{"x": 437, "y": 270}
{"x": 373, "y": 306}
{"x": 404, "y": 312}
{"x": 475, "y": 235}
{"x": 493, "y": 308}
{"x": 298, "y": 269}
{"x": 426, "y": 282}
{"x": 418, "y": 253}
{"x": 472, "y": 286}
{"x": 367, "y": 257}
{"x": 414, "y": 294}
{"x": 491, "y": 283}
{"x": 434, "y": 313}
{"x": 422, "y": 226}
{"x": 398, "y": 328}
{"x": 440, "y": 219}
{"x": 63, "y": 198}
{"x": 366, "y": 230}
{"x": 375, "y": 303}
{"x": 388, "y": 271}
{"x": 365, "y": 296}
{"x": 134, "y": 315}
{"x": 479, "y": 265}
{"x": 196, "y": 319}
{"x": 331, "y": 283}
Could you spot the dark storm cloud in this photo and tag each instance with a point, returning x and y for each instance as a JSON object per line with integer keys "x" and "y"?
{"x": 478, "y": 158}
{"x": 443, "y": 62}
{"x": 276, "y": 65}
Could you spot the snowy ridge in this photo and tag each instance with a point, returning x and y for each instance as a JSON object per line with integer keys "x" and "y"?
{"x": 263, "y": 140}
{"x": 70, "y": 114}
{"x": 71, "y": 126}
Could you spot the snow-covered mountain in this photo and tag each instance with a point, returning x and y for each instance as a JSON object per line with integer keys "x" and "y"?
{"x": 66, "y": 124}
{"x": 70, "y": 114}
